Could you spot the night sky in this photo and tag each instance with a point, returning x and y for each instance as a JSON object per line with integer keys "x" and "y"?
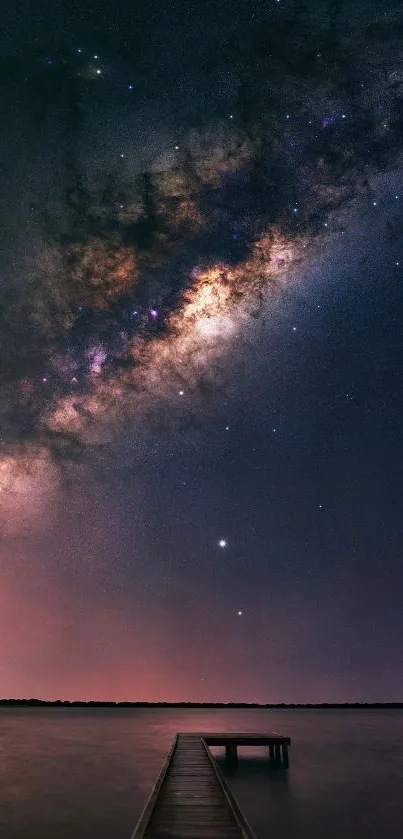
{"x": 201, "y": 396}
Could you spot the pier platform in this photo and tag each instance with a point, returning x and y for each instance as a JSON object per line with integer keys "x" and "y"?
{"x": 191, "y": 798}
{"x": 276, "y": 743}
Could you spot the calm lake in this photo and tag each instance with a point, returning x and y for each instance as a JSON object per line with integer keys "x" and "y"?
{"x": 87, "y": 773}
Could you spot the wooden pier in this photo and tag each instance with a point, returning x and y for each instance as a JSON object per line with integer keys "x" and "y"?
{"x": 191, "y": 798}
{"x": 276, "y": 743}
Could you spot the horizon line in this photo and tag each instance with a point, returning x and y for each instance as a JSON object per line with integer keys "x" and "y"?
{"x": 194, "y": 703}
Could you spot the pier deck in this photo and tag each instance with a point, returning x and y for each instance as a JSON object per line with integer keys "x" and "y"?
{"x": 191, "y": 799}
{"x": 277, "y": 744}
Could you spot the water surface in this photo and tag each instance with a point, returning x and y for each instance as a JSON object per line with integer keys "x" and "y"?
{"x": 86, "y": 773}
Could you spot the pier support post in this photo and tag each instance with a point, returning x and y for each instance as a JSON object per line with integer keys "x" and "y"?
{"x": 231, "y": 753}
{"x": 271, "y": 756}
{"x": 277, "y": 757}
{"x": 286, "y": 761}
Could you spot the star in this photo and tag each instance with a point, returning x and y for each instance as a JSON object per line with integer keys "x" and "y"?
{"x": 222, "y": 543}
{"x": 240, "y": 612}
{"x": 181, "y": 392}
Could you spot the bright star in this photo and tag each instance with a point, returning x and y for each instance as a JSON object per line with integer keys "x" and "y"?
{"x": 240, "y": 612}
{"x": 99, "y": 72}
{"x": 222, "y": 543}
{"x": 181, "y": 392}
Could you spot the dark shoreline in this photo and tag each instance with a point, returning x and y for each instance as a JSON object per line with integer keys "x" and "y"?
{"x": 43, "y": 703}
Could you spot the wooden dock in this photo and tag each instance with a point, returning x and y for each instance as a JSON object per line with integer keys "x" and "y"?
{"x": 191, "y": 798}
{"x": 276, "y": 743}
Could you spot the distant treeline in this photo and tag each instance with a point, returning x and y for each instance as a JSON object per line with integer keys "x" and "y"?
{"x": 65, "y": 703}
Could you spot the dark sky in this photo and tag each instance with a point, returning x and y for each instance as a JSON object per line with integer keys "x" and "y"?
{"x": 201, "y": 218}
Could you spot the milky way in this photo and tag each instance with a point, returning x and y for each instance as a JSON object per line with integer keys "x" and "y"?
{"x": 140, "y": 280}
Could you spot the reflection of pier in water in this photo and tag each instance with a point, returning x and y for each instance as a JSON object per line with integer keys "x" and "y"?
{"x": 191, "y": 798}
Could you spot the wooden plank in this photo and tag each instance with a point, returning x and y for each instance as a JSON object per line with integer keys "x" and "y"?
{"x": 246, "y": 830}
{"x": 252, "y": 739}
{"x": 191, "y": 799}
